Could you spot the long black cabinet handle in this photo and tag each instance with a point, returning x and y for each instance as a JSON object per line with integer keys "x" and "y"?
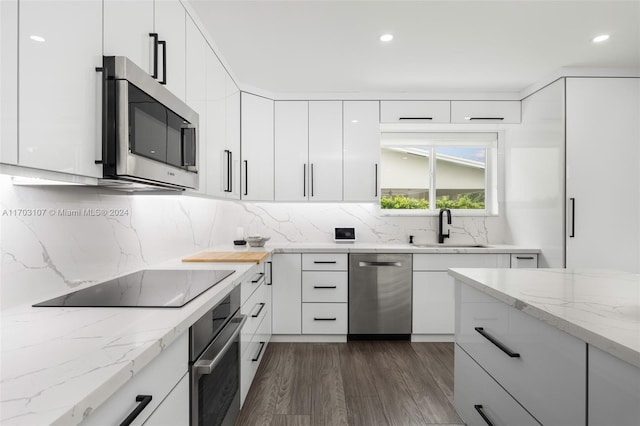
{"x": 164, "y": 61}
{"x": 415, "y": 118}
{"x": 493, "y": 340}
{"x": 376, "y": 180}
{"x": 226, "y": 154}
{"x": 154, "y": 36}
{"x": 324, "y": 319}
{"x": 257, "y": 314}
{"x": 480, "y": 411}
{"x": 304, "y": 180}
{"x": 257, "y": 277}
{"x": 325, "y": 261}
{"x": 525, "y": 257}
{"x": 257, "y": 357}
{"x": 270, "y": 282}
{"x": 311, "y": 179}
{"x": 573, "y": 217}
{"x": 246, "y": 177}
{"x": 325, "y": 286}
{"x": 144, "y": 400}
{"x": 485, "y": 118}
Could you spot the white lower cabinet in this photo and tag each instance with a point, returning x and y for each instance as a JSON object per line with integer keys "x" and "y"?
{"x": 252, "y": 350}
{"x": 172, "y": 411}
{"x": 324, "y": 318}
{"x": 287, "y": 293}
{"x": 154, "y": 381}
{"x": 614, "y": 390}
{"x": 524, "y": 260}
{"x": 480, "y": 400}
{"x": 433, "y": 303}
{"x": 540, "y": 366}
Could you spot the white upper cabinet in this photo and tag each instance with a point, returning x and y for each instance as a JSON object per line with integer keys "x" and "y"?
{"x": 325, "y": 151}
{"x": 9, "y": 81}
{"x": 361, "y": 151}
{"x": 127, "y": 25}
{"x": 196, "y": 51}
{"x": 603, "y": 154}
{"x": 60, "y": 91}
{"x": 170, "y": 25}
{"x": 217, "y": 160}
{"x": 257, "y": 148}
{"x": 415, "y": 111}
{"x": 506, "y": 112}
{"x": 291, "y": 150}
{"x": 232, "y": 129}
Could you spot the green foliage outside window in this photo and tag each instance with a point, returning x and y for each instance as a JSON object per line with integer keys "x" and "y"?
{"x": 469, "y": 201}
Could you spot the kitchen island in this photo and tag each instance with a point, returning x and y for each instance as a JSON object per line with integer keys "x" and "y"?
{"x": 551, "y": 346}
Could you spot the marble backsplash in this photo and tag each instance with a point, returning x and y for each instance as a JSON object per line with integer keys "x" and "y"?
{"x": 55, "y": 239}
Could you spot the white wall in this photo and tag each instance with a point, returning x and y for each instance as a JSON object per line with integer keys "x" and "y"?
{"x": 45, "y": 256}
{"x": 534, "y": 176}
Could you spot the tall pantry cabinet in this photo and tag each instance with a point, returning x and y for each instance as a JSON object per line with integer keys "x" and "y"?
{"x": 603, "y": 173}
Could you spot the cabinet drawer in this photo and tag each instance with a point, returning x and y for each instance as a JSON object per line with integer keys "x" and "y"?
{"x": 547, "y": 358}
{"x": 256, "y": 309}
{"x": 474, "y": 387}
{"x": 252, "y": 280}
{"x": 251, "y": 352}
{"x": 156, "y": 379}
{"x": 321, "y": 286}
{"x": 485, "y": 111}
{"x": 325, "y": 262}
{"x": 524, "y": 260}
{"x": 324, "y": 318}
{"x": 415, "y": 111}
{"x": 442, "y": 262}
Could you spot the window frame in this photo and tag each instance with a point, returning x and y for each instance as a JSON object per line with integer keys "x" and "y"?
{"x": 493, "y": 183}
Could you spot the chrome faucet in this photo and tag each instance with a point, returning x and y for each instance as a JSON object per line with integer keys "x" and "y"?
{"x": 441, "y": 235}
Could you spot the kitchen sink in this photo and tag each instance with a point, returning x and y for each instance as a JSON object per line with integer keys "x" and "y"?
{"x": 450, "y": 246}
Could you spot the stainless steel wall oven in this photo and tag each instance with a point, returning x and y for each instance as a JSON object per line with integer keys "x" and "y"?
{"x": 214, "y": 362}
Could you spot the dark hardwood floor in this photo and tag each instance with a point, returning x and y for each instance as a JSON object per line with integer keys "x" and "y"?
{"x": 355, "y": 383}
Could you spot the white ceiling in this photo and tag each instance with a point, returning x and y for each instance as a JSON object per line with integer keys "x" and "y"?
{"x": 439, "y": 46}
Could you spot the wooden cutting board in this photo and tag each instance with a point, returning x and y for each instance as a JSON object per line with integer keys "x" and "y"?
{"x": 228, "y": 256}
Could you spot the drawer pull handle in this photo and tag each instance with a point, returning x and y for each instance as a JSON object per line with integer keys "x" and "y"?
{"x": 324, "y": 319}
{"x": 524, "y": 257}
{"x": 325, "y": 286}
{"x": 493, "y": 340}
{"x": 144, "y": 400}
{"x": 324, "y": 262}
{"x": 480, "y": 411}
{"x": 415, "y": 118}
{"x": 259, "y": 310}
{"x": 484, "y": 118}
{"x": 257, "y": 277}
{"x": 257, "y": 357}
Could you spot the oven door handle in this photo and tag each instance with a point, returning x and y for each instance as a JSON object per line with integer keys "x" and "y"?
{"x": 206, "y": 366}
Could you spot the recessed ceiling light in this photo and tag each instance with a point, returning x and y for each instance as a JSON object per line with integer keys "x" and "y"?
{"x": 386, "y": 37}
{"x": 37, "y": 38}
{"x": 601, "y": 38}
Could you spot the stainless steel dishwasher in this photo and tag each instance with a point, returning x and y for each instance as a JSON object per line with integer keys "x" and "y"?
{"x": 380, "y": 296}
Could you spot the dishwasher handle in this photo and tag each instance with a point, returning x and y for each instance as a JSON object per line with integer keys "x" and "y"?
{"x": 375, "y": 264}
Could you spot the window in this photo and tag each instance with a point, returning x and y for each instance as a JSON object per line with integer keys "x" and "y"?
{"x": 430, "y": 171}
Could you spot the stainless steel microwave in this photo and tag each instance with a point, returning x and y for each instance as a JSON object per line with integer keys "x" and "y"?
{"x": 149, "y": 136}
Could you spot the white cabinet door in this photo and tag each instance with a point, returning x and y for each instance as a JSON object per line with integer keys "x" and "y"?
{"x": 170, "y": 24}
{"x": 433, "y": 303}
{"x": 415, "y": 111}
{"x": 325, "y": 151}
{"x": 174, "y": 410}
{"x": 603, "y": 153}
{"x": 614, "y": 390}
{"x": 60, "y": 91}
{"x": 127, "y": 24}
{"x": 232, "y": 131}
{"x": 501, "y": 112}
{"x": 291, "y": 150}
{"x": 524, "y": 260}
{"x": 361, "y": 150}
{"x": 287, "y": 293}
{"x": 257, "y": 148}
{"x": 9, "y": 82}
{"x": 217, "y": 157}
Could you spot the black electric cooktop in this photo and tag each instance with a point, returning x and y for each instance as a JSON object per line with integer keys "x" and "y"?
{"x": 150, "y": 288}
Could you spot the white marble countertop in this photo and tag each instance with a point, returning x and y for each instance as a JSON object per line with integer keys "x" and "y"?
{"x": 59, "y": 363}
{"x": 357, "y": 247}
{"x": 601, "y": 308}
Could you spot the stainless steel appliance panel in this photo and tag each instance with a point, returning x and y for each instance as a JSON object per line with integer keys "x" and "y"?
{"x": 380, "y": 293}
